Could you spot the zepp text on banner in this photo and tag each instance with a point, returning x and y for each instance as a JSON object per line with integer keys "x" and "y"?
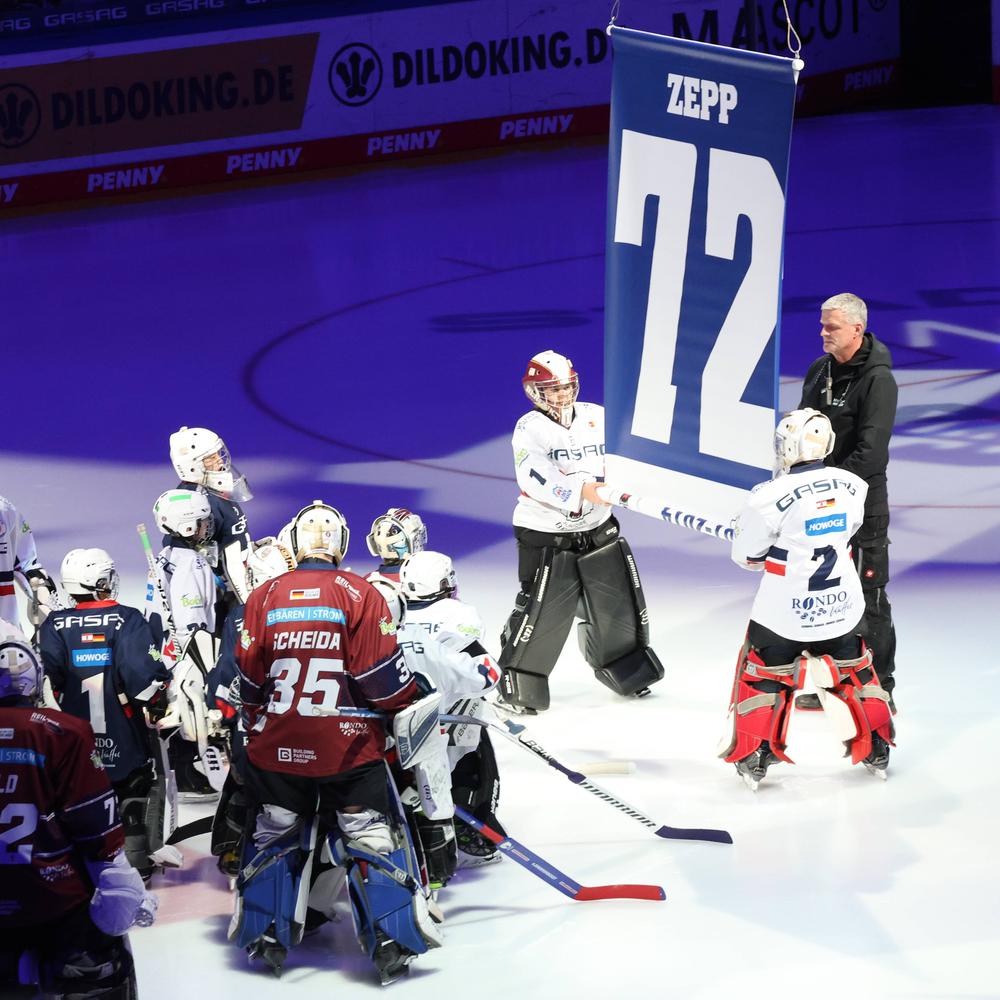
{"x": 696, "y": 207}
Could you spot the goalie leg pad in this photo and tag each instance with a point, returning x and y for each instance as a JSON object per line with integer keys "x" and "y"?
{"x": 273, "y": 890}
{"x": 853, "y": 701}
{"x": 536, "y": 631}
{"x": 383, "y": 877}
{"x": 760, "y": 706}
{"x": 614, "y": 610}
{"x": 632, "y": 672}
{"x": 101, "y": 970}
{"x": 141, "y": 818}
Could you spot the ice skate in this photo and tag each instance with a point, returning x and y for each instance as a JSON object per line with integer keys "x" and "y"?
{"x": 474, "y": 850}
{"x": 877, "y": 762}
{"x": 391, "y": 959}
{"x": 270, "y": 951}
{"x": 753, "y": 768}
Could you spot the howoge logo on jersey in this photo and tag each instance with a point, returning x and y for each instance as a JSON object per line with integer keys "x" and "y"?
{"x": 92, "y": 657}
{"x": 826, "y": 525}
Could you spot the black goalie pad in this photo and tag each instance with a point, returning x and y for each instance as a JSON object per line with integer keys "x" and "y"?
{"x": 632, "y": 672}
{"x": 616, "y": 621}
{"x": 537, "y": 629}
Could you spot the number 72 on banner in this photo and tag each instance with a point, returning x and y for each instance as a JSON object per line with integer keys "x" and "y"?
{"x": 739, "y": 185}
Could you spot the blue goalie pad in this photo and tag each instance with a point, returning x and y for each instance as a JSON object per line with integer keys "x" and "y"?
{"x": 382, "y": 888}
{"x": 273, "y": 890}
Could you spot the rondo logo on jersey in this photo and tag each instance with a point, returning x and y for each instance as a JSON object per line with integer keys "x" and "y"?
{"x": 309, "y": 594}
{"x": 279, "y": 615}
{"x": 91, "y": 637}
{"x": 826, "y": 525}
{"x": 92, "y": 657}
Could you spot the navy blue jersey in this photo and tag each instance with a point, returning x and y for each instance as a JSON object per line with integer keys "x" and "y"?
{"x": 102, "y": 659}
{"x": 225, "y": 671}
{"x": 230, "y": 521}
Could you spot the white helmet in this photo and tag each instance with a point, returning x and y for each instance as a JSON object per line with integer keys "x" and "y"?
{"x": 552, "y": 385}
{"x": 427, "y": 576}
{"x": 802, "y": 436}
{"x": 200, "y": 456}
{"x": 85, "y": 572}
{"x": 267, "y": 561}
{"x": 318, "y": 530}
{"x": 393, "y": 596}
{"x": 395, "y": 534}
{"x": 20, "y": 669}
{"x": 184, "y": 514}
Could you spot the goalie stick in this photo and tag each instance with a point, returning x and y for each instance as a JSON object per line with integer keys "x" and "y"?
{"x": 538, "y": 866}
{"x": 664, "y": 512}
{"x": 516, "y": 734}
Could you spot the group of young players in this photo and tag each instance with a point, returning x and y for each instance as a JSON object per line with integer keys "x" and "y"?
{"x": 324, "y": 691}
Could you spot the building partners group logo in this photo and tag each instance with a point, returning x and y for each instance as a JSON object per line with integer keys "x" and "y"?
{"x": 20, "y": 115}
{"x": 355, "y": 74}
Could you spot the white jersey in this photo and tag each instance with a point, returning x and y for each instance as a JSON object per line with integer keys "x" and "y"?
{"x": 552, "y": 464}
{"x": 798, "y": 529}
{"x": 17, "y": 555}
{"x": 190, "y": 586}
{"x": 433, "y": 637}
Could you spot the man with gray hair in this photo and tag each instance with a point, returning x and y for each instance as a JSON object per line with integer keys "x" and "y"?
{"x": 852, "y": 383}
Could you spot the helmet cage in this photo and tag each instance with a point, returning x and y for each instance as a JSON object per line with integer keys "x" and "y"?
{"x": 396, "y": 534}
{"x": 547, "y": 390}
{"x": 20, "y": 669}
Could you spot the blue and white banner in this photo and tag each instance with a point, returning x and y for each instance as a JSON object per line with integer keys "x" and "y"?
{"x": 696, "y": 208}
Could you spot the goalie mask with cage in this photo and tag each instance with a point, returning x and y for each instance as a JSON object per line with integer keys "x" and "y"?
{"x": 427, "y": 576}
{"x": 20, "y": 668}
{"x": 317, "y": 530}
{"x": 87, "y": 573}
{"x": 392, "y": 595}
{"x": 396, "y": 534}
{"x": 552, "y": 385}
{"x": 185, "y": 514}
{"x": 801, "y": 436}
{"x": 269, "y": 560}
{"x": 200, "y": 456}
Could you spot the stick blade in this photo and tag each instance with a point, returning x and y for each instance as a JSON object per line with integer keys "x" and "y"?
{"x": 589, "y": 892}
{"x": 678, "y": 833}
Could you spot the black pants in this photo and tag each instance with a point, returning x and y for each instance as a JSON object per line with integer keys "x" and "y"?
{"x": 360, "y": 786}
{"x": 775, "y": 650}
{"x": 531, "y": 544}
{"x": 871, "y": 556}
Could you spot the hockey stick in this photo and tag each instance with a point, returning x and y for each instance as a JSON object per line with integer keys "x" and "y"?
{"x": 537, "y": 865}
{"x": 664, "y": 512}
{"x": 593, "y": 767}
{"x": 154, "y": 576}
{"x": 515, "y": 734}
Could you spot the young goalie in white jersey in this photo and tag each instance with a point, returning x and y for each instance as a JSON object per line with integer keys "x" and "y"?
{"x": 808, "y": 612}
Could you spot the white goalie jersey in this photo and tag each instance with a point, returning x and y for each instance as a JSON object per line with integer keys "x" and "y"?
{"x": 190, "y": 585}
{"x": 433, "y": 638}
{"x": 17, "y": 555}
{"x": 797, "y": 529}
{"x": 552, "y": 463}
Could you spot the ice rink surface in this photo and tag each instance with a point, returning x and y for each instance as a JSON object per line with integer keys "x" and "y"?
{"x": 361, "y": 338}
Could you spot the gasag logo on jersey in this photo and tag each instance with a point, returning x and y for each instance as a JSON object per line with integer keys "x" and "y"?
{"x": 88, "y": 621}
{"x": 278, "y": 616}
{"x": 826, "y": 525}
{"x": 811, "y": 489}
{"x": 92, "y": 657}
{"x": 575, "y": 454}
{"x": 91, "y": 637}
{"x": 308, "y": 594}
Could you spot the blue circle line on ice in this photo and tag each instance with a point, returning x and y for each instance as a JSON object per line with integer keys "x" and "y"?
{"x": 252, "y": 366}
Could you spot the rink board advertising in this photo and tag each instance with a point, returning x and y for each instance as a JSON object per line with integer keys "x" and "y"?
{"x": 203, "y": 97}
{"x": 698, "y": 163}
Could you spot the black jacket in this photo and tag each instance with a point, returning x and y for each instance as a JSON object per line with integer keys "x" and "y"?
{"x": 861, "y": 405}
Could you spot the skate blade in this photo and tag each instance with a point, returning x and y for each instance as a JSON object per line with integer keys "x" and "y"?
{"x": 751, "y": 782}
{"x": 879, "y": 772}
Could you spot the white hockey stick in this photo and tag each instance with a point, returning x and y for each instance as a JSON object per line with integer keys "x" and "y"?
{"x": 664, "y": 512}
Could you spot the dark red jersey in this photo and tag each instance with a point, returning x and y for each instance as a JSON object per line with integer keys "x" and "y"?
{"x": 56, "y": 810}
{"x": 316, "y": 644}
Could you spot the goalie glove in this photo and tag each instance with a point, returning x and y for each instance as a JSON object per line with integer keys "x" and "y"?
{"x": 120, "y": 899}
